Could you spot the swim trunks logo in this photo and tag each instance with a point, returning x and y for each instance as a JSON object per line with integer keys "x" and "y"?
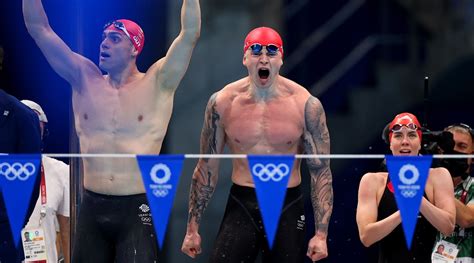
{"x": 17, "y": 171}
{"x": 270, "y": 171}
{"x": 145, "y": 215}
{"x": 300, "y": 223}
{"x": 144, "y": 208}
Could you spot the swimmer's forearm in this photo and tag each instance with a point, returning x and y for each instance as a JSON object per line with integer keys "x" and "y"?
{"x": 370, "y": 233}
{"x": 316, "y": 141}
{"x": 322, "y": 200}
{"x": 34, "y": 16}
{"x": 206, "y": 173}
{"x": 191, "y": 18}
{"x": 443, "y": 218}
{"x": 202, "y": 189}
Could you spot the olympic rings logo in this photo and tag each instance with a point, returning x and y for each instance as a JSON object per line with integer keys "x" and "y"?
{"x": 270, "y": 171}
{"x": 17, "y": 171}
{"x": 154, "y": 173}
{"x": 160, "y": 192}
{"x": 408, "y": 193}
{"x": 146, "y": 219}
{"x": 409, "y": 168}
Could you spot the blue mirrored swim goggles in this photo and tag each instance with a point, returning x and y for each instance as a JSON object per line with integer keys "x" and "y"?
{"x": 256, "y": 49}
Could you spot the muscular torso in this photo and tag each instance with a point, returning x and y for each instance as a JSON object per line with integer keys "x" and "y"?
{"x": 130, "y": 119}
{"x": 274, "y": 125}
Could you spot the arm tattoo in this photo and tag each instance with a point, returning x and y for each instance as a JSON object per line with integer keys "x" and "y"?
{"x": 204, "y": 179}
{"x": 209, "y": 129}
{"x": 316, "y": 141}
{"x": 199, "y": 199}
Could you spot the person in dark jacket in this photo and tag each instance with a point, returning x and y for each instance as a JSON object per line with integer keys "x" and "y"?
{"x": 19, "y": 133}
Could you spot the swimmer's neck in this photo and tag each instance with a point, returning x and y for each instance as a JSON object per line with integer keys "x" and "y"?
{"x": 264, "y": 93}
{"x": 120, "y": 78}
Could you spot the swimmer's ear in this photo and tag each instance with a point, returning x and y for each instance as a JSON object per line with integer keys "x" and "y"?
{"x": 134, "y": 52}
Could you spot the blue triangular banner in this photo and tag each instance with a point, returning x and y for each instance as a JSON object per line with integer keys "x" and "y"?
{"x": 270, "y": 176}
{"x": 408, "y": 175}
{"x": 17, "y": 178}
{"x": 160, "y": 175}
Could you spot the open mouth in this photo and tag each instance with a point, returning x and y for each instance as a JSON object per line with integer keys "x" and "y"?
{"x": 405, "y": 151}
{"x": 263, "y": 73}
{"x": 104, "y": 55}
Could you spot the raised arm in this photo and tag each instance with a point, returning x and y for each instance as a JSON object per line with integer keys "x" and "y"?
{"x": 204, "y": 177}
{"x": 170, "y": 70}
{"x": 316, "y": 141}
{"x": 371, "y": 230}
{"x": 441, "y": 211}
{"x": 65, "y": 62}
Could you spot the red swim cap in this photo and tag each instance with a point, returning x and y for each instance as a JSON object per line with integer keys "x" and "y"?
{"x": 131, "y": 29}
{"x": 405, "y": 119}
{"x": 263, "y": 36}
